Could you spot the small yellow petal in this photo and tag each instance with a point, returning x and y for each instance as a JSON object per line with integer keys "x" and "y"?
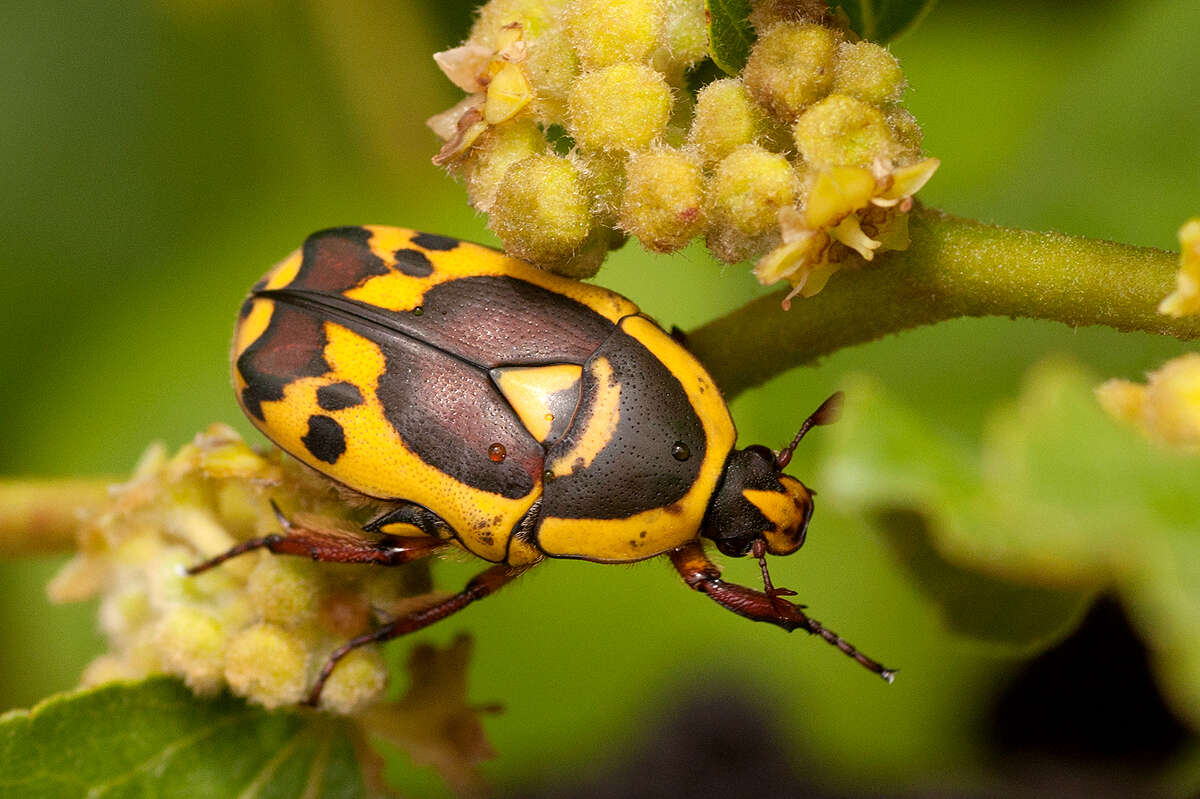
{"x": 465, "y": 66}
{"x": 789, "y": 258}
{"x": 838, "y": 192}
{"x": 908, "y": 180}
{"x": 508, "y": 93}
{"x": 849, "y": 232}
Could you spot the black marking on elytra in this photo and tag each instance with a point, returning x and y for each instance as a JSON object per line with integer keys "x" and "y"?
{"x": 337, "y": 396}
{"x": 325, "y": 439}
{"x": 432, "y": 241}
{"x": 635, "y": 471}
{"x": 337, "y": 260}
{"x": 413, "y": 263}
{"x": 291, "y": 347}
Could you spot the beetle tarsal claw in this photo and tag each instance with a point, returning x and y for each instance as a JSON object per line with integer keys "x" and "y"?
{"x": 279, "y": 517}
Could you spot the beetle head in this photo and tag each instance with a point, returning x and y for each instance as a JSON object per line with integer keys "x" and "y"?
{"x": 756, "y": 502}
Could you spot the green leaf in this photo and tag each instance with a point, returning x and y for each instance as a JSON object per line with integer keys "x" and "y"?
{"x": 882, "y": 20}
{"x": 730, "y": 34}
{"x": 155, "y": 738}
{"x": 1060, "y": 502}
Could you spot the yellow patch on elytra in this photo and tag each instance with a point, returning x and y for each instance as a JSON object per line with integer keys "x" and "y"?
{"x": 283, "y": 274}
{"x": 599, "y": 426}
{"x": 530, "y": 389}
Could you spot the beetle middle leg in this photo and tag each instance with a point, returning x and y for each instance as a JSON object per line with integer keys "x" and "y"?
{"x": 483, "y": 584}
{"x": 330, "y": 545}
{"x": 703, "y": 575}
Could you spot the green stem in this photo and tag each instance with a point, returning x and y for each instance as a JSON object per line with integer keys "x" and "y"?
{"x": 955, "y": 267}
{"x": 42, "y": 516}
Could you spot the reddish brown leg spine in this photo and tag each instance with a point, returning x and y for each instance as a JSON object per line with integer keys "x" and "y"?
{"x": 482, "y": 585}
{"x": 702, "y": 574}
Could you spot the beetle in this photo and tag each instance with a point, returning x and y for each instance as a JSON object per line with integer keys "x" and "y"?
{"x": 508, "y": 411}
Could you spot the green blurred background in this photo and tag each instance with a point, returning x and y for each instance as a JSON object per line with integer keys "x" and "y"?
{"x": 157, "y": 157}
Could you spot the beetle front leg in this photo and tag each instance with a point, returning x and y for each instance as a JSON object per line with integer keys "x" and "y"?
{"x": 703, "y": 575}
{"x": 330, "y": 545}
{"x": 483, "y": 584}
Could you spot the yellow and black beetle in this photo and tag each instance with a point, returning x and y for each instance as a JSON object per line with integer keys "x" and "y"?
{"x": 515, "y": 413}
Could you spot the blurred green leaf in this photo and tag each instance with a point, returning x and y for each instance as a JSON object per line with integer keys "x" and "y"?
{"x": 1060, "y": 502}
{"x": 882, "y": 20}
{"x": 156, "y": 739}
{"x": 730, "y": 34}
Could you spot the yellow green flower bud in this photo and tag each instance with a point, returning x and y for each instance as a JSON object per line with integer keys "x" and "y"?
{"x": 535, "y": 17}
{"x": 586, "y": 261}
{"x": 192, "y": 643}
{"x": 552, "y": 66}
{"x": 869, "y": 72}
{"x": 604, "y": 176}
{"x": 790, "y": 67}
{"x": 623, "y": 106}
{"x": 747, "y": 189}
{"x": 541, "y": 211}
{"x": 662, "y": 204}
{"x": 725, "y": 118}
{"x": 358, "y": 680}
{"x": 685, "y": 32}
{"x": 765, "y": 13}
{"x": 286, "y": 591}
{"x": 267, "y": 664}
{"x": 494, "y": 152}
{"x": 606, "y": 32}
{"x": 841, "y": 130}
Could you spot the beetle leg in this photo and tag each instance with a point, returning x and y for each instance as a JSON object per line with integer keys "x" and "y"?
{"x": 483, "y": 584}
{"x": 330, "y": 545}
{"x": 702, "y": 574}
{"x": 759, "y": 551}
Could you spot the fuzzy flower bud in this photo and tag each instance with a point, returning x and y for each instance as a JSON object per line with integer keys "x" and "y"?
{"x": 498, "y": 149}
{"x": 790, "y": 67}
{"x": 724, "y": 119}
{"x": 623, "y": 106}
{"x": 268, "y": 663}
{"x": 605, "y": 32}
{"x": 868, "y": 72}
{"x": 662, "y": 201}
{"x": 541, "y": 211}
{"x": 841, "y": 130}
{"x": 749, "y": 187}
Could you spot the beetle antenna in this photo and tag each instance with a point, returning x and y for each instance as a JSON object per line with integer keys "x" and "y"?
{"x": 827, "y": 413}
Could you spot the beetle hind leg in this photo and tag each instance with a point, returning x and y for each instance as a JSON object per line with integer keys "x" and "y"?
{"x": 330, "y": 545}
{"x": 482, "y": 585}
{"x": 701, "y": 574}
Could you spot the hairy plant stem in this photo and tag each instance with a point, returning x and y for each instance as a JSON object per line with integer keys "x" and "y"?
{"x": 42, "y": 516}
{"x": 955, "y": 267}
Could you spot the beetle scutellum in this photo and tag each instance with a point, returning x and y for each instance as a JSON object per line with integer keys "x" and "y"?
{"x": 515, "y": 413}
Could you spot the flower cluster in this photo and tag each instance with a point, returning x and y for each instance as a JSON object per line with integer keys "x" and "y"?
{"x": 260, "y": 624}
{"x": 580, "y": 129}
